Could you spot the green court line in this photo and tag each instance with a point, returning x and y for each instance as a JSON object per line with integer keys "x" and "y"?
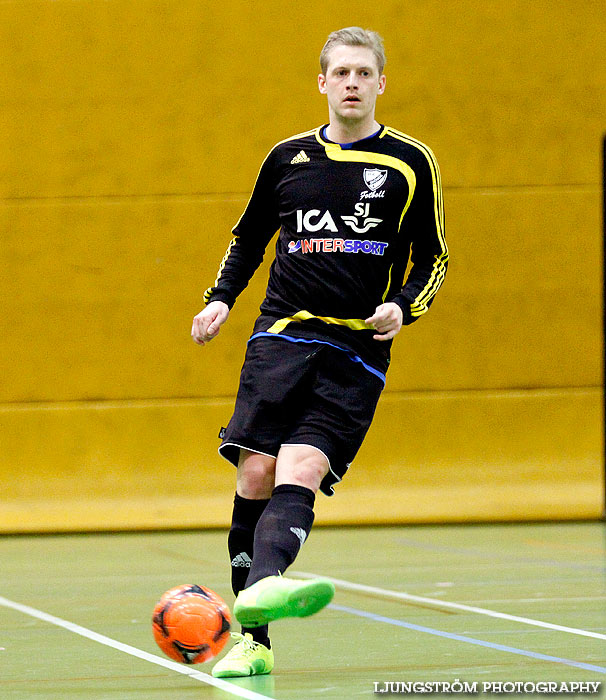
{"x": 133, "y": 651}
{"x": 468, "y": 640}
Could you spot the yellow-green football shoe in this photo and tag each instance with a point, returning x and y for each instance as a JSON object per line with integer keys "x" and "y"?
{"x": 245, "y": 658}
{"x": 275, "y": 597}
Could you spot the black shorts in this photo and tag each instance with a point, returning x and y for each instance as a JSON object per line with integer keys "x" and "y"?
{"x": 302, "y": 393}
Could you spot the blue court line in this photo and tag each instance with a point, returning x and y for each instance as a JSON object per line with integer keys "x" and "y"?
{"x": 469, "y": 640}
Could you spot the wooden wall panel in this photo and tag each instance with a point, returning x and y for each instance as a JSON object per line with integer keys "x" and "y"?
{"x": 131, "y": 133}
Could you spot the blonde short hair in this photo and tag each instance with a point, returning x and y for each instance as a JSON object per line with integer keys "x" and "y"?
{"x": 354, "y": 36}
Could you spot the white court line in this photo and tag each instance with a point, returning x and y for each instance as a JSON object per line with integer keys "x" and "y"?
{"x": 133, "y": 651}
{"x": 399, "y": 595}
{"x": 559, "y": 599}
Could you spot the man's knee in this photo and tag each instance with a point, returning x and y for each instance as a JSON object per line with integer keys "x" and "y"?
{"x": 302, "y": 465}
{"x": 256, "y": 475}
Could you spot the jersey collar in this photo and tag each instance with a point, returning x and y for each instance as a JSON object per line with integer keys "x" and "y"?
{"x": 324, "y": 140}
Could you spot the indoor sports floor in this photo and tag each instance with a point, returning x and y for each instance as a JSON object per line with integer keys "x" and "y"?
{"x": 449, "y": 603}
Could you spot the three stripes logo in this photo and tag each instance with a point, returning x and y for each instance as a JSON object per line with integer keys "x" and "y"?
{"x": 242, "y": 560}
{"x": 301, "y": 157}
{"x": 300, "y": 533}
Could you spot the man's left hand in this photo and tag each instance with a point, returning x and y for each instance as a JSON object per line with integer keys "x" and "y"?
{"x": 387, "y": 320}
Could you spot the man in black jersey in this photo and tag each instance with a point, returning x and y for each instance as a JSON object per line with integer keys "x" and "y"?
{"x": 353, "y": 201}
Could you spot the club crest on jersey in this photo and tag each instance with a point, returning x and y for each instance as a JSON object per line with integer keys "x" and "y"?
{"x": 374, "y": 178}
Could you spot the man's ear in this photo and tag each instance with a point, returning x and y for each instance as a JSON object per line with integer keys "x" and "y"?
{"x": 382, "y": 81}
{"x": 322, "y": 83}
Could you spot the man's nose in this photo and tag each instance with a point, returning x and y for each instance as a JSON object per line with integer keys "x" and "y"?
{"x": 352, "y": 81}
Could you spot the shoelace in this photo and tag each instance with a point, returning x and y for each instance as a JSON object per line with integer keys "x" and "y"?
{"x": 248, "y": 646}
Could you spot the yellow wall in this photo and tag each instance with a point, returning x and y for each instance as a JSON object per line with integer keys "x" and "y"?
{"x": 131, "y": 132}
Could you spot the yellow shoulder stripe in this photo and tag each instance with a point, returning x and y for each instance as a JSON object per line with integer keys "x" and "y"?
{"x": 349, "y": 155}
{"x": 290, "y": 138}
{"x": 296, "y": 136}
{"x": 420, "y": 305}
{"x": 435, "y": 177}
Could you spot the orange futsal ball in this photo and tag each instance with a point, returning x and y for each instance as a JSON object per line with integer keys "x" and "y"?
{"x": 191, "y": 624}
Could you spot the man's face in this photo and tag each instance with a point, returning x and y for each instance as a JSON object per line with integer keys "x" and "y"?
{"x": 352, "y": 83}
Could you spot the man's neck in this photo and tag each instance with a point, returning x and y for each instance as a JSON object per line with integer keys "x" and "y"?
{"x": 341, "y": 132}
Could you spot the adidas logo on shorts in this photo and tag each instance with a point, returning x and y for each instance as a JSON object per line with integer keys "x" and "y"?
{"x": 242, "y": 560}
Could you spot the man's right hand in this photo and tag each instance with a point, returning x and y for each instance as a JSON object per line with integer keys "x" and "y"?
{"x": 208, "y": 322}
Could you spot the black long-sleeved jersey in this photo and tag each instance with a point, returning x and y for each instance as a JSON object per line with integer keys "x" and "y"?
{"x": 351, "y": 218}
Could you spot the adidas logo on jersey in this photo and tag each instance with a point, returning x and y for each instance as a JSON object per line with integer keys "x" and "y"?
{"x": 242, "y": 560}
{"x": 301, "y": 157}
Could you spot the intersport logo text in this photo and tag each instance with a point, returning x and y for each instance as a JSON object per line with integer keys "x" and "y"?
{"x": 337, "y": 245}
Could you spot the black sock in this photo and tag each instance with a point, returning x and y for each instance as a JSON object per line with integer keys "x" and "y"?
{"x": 281, "y": 531}
{"x": 240, "y": 541}
{"x": 240, "y": 544}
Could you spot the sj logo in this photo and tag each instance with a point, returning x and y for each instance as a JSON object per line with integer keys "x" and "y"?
{"x": 362, "y": 210}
